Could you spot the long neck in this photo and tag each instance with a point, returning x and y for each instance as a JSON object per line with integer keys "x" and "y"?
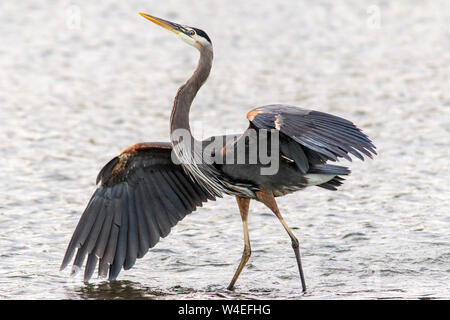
{"x": 179, "y": 119}
{"x": 189, "y": 151}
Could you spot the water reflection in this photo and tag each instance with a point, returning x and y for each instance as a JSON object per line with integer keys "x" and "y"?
{"x": 117, "y": 290}
{"x": 130, "y": 290}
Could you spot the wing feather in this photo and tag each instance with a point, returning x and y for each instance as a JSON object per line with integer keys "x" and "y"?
{"x": 141, "y": 195}
{"x": 133, "y": 233}
{"x": 323, "y": 136}
{"x": 121, "y": 248}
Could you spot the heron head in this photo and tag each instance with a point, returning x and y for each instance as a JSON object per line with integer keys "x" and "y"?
{"x": 192, "y": 36}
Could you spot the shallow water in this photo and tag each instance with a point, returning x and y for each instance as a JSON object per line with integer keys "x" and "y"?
{"x": 81, "y": 82}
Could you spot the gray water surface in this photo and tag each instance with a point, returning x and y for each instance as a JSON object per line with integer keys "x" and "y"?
{"x": 80, "y": 82}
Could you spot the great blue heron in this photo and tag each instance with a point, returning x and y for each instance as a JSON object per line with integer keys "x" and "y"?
{"x": 144, "y": 191}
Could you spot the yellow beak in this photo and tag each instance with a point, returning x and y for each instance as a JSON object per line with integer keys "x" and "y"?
{"x": 173, "y": 27}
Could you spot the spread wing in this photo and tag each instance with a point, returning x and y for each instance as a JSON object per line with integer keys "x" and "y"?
{"x": 141, "y": 195}
{"x": 313, "y": 137}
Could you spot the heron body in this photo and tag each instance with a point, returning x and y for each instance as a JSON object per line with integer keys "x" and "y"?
{"x": 149, "y": 187}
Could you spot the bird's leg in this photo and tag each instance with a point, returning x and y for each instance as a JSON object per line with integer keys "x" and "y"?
{"x": 243, "y": 204}
{"x": 268, "y": 199}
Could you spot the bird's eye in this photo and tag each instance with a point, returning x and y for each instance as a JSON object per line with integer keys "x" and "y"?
{"x": 191, "y": 32}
